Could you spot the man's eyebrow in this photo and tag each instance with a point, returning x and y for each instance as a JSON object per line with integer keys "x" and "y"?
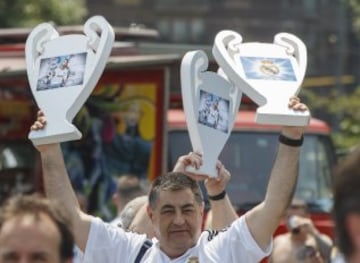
{"x": 187, "y": 206}
{"x": 168, "y": 206}
{"x": 8, "y": 255}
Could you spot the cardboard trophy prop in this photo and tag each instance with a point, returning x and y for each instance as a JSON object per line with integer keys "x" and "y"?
{"x": 62, "y": 72}
{"x": 269, "y": 74}
{"x": 210, "y": 103}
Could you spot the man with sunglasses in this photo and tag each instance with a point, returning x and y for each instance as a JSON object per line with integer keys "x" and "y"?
{"x": 301, "y": 234}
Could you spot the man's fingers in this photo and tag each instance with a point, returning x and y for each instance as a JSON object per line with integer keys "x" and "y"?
{"x": 37, "y": 126}
{"x": 295, "y": 104}
{"x": 195, "y": 159}
{"x": 40, "y": 113}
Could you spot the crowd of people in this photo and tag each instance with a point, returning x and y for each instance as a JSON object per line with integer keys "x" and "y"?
{"x": 164, "y": 223}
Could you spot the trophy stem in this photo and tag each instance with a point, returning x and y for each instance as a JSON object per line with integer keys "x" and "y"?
{"x": 67, "y": 132}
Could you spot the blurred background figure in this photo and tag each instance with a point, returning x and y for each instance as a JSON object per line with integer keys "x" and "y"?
{"x": 130, "y": 210}
{"x": 128, "y": 187}
{"x": 303, "y": 240}
{"x": 347, "y": 206}
{"x": 309, "y": 254}
{"x": 134, "y": 217}
{"x": 31, "y": 228}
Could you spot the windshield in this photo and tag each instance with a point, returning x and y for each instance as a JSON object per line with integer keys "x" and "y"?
{"x": 17, "y": 168}
{"x": 249, "y": 157}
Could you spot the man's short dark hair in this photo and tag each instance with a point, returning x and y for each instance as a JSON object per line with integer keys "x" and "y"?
{"x": 35, "y": 205}
{"x": 346, "y": 199}
{"x": 173, "y": 181}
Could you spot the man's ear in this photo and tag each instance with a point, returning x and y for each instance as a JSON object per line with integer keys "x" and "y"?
{"x": 149, "y": 212}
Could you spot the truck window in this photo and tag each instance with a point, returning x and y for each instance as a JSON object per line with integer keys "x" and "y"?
{"x": 249, "y": 157}
{"x": 17, "y": 164}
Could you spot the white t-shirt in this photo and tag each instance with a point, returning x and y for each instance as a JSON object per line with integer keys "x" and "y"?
{"x": 78, "y": 255}
{"x": 109, "y": 244}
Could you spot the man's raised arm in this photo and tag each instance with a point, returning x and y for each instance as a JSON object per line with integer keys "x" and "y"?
{"x": 263, "y": 219}
{"x": 58, "y": 186}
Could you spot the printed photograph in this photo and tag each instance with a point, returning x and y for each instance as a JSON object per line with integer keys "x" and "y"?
{"x": 213, "y": 111}
{"x": 61, "y": 71}
{"x": 268, "y": 68}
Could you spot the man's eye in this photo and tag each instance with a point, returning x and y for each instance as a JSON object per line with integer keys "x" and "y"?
{"x": 39, "y": 258}
{"x": 9, "y": 258}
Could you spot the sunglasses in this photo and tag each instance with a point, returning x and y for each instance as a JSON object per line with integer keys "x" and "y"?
{"x": 295, "y": 230}
{"x": 306, "y": 252}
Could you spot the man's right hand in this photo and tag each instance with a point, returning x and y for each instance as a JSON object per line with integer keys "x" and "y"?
{"x": 214, "y": 185}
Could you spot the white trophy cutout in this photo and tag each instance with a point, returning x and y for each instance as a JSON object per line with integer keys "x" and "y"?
{"x": 210, "y": 103}
{"x": 63, "y": 71}
{"x": 269, "y": 74}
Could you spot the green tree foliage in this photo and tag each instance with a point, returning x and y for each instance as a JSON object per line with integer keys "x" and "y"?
{"x": 355, "y": 10}
{"x": 345, "y": 108}
{"x": 28, "y": 13}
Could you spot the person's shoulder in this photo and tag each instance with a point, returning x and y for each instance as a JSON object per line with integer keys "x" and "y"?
{"x": 285, "y": 237}
{"x": 117, "y": 221}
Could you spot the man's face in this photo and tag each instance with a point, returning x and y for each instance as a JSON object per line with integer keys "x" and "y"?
{"x": 177, "y": 221}
{"x": 27, "y": 239}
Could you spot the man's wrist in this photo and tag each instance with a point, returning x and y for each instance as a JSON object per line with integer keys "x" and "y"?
{"x": 290, "y": 141}
{"x": 217, "y": 197}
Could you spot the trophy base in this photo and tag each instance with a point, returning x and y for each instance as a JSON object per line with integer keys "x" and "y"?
{"x": 290, "y": 118}
{"x": 207, "y": 169}
{"x": 46, "y": 137}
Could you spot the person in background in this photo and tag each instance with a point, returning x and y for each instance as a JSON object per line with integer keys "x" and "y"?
{"x": 302, "y": 239}
{"x": 128, "y": 187}
{"x": 346, "y": 209}
{"x": 309, "y": 254}
{"x": 34, "y": 229}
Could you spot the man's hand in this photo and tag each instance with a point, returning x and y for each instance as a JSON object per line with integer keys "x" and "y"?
{"x": 294, "y": 132}
{"x": 40, "y": 124}
{"x": 304, "y": 224}
{"x": 213, "y": 185}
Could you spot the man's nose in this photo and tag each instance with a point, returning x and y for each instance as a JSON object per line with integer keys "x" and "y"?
{"x": 179, "y": 219}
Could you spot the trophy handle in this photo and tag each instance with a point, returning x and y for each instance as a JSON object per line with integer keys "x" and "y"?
{"x": 235, "y": 95}
{"x": 226, "y": 46}
{"x": 295, "y": 47}
{"x": 100, "y": 41}
{"x": 193, "y": 64}
{"x": 34, "y": 47}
